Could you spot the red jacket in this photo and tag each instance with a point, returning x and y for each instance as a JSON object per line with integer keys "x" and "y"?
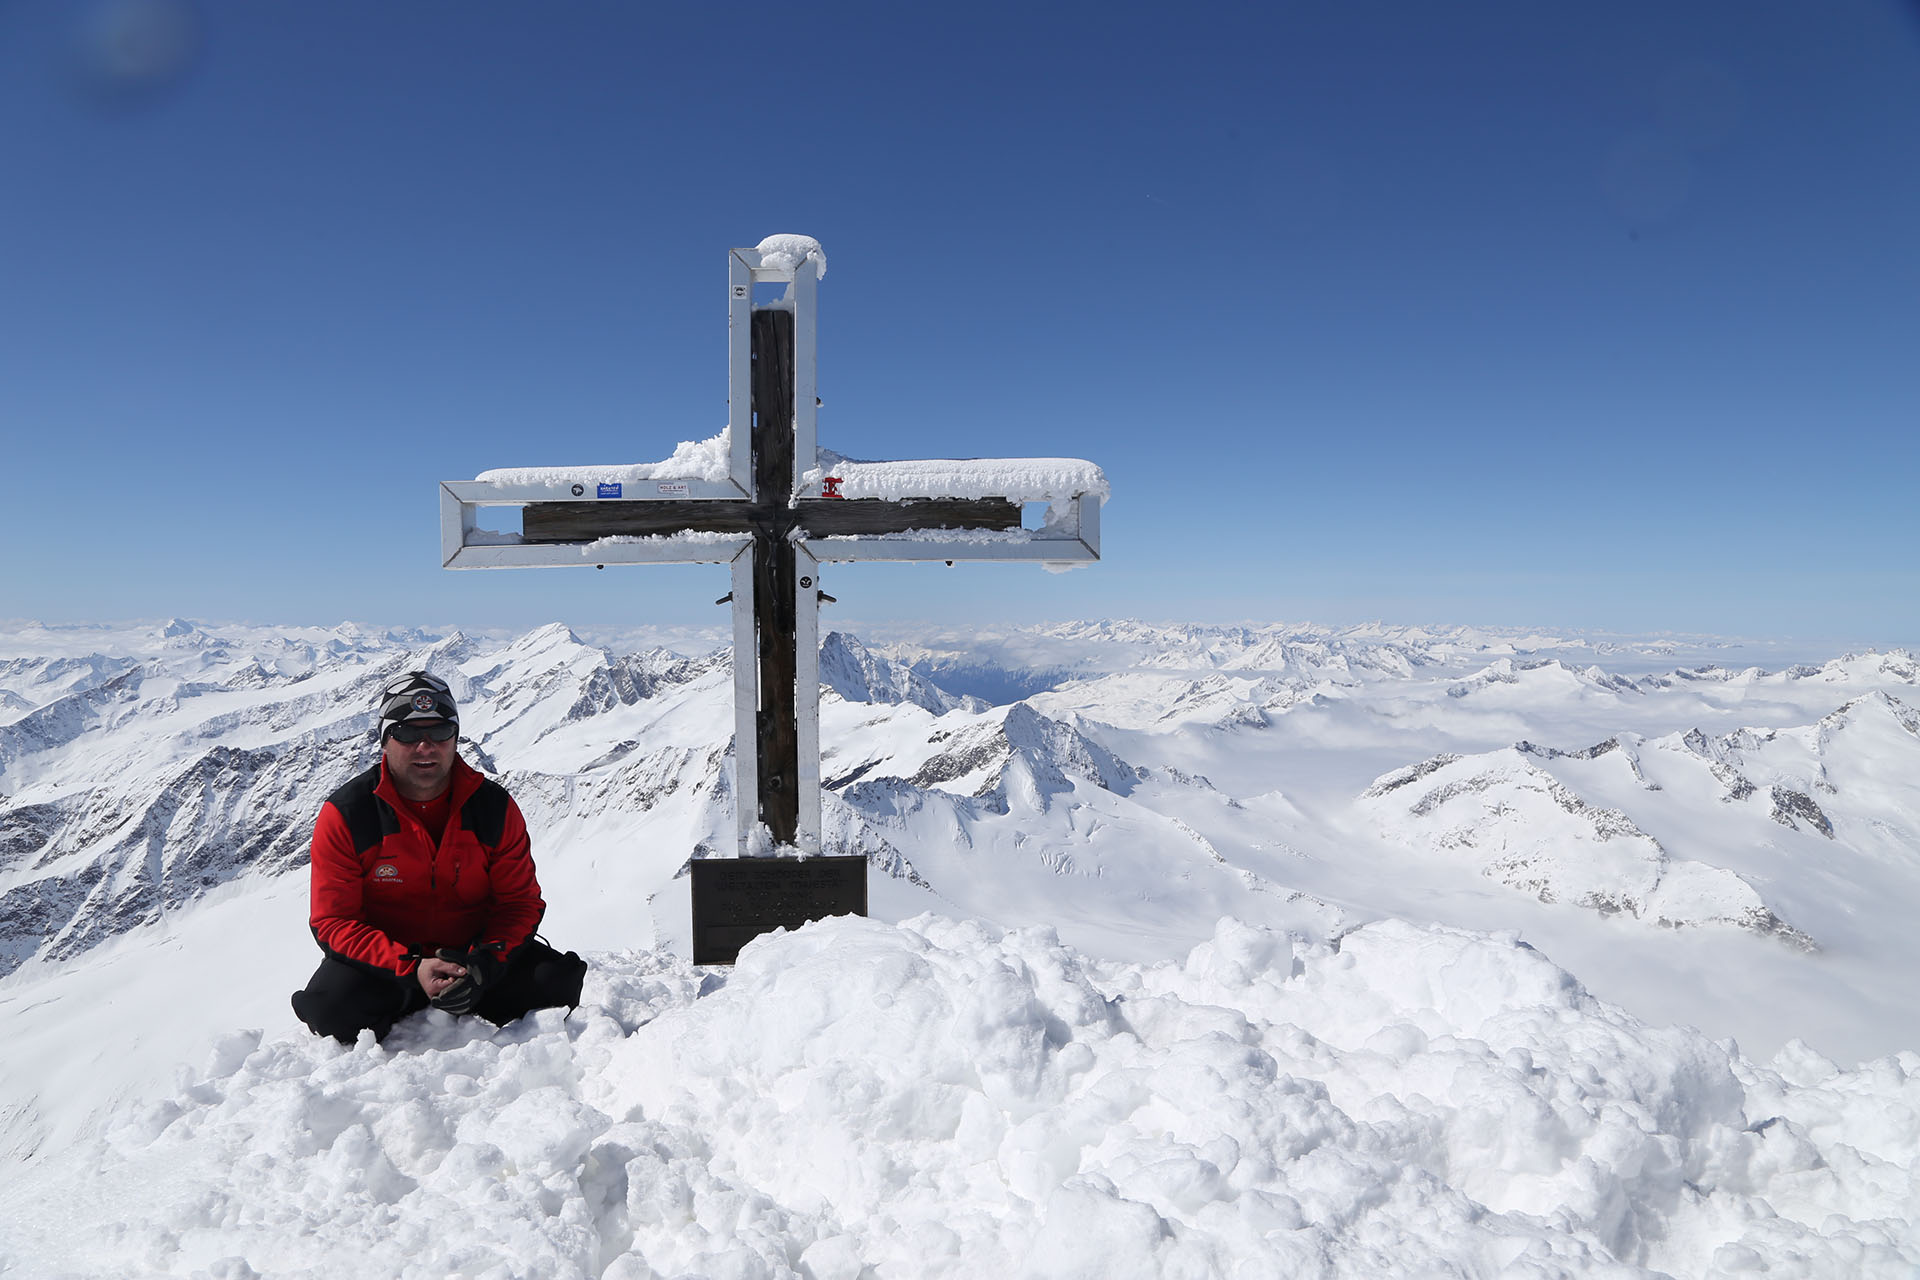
{"x": 384, "y": 895}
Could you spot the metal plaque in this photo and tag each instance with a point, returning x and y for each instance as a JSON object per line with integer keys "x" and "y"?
{"x": 735, "y": 900}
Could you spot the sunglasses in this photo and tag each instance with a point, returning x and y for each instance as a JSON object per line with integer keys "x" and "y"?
{"x": 424, "y": 732}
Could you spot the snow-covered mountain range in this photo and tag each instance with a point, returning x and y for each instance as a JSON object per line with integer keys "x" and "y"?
{"x": 1727, "y": 845}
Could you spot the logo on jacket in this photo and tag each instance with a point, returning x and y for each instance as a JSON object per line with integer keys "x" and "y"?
{"x": 387, "y": 872}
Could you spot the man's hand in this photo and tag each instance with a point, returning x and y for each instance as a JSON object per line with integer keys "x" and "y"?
{"x": 477, "y": 970}
{"x": 436, "y": 975}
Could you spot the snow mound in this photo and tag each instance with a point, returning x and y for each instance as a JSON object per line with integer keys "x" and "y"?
{"x": 1016, "y": 479}
{"x": 707, "y": 459}
{"x": 947, "y": 1099}
{"x": 786, "y": 252}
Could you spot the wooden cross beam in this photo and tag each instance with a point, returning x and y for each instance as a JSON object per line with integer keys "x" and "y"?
{"x": 768, "y": 501}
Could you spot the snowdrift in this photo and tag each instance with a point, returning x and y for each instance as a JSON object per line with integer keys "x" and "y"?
{"x": 943, "y": 1098}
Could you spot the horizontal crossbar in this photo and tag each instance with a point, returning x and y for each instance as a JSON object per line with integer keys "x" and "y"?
{"x": 560, "y": 555}
{"x": 589, "y": 482}
{"x": 1046, "y": 550}
{"x": 817, "y": 517}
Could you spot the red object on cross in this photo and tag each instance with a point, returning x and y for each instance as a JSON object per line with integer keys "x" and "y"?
{"x": 830, "y": 487}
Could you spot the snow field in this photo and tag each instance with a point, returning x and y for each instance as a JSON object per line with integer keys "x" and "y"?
{"x": 944, "y": 1098}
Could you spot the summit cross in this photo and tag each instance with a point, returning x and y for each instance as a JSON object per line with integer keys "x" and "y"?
{"x": 764, "y": 499}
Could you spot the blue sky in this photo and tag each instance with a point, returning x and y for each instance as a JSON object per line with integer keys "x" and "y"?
{"x": 1600, "y": 316}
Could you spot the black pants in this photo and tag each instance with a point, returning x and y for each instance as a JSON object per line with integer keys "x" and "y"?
{"x": 343, "y": 999}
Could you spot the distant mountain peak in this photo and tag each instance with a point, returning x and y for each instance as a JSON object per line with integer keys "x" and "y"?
{"x": 544, "y": 637}
{"x": 1524, "y": 827}
{"x": 1877, "y": 705}
{"x": 858, "y": 674}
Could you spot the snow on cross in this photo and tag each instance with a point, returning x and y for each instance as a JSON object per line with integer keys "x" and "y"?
{"x": 764, "y": 498}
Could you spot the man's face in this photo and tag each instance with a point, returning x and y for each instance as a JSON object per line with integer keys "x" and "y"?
{"x": 420, "y": 770}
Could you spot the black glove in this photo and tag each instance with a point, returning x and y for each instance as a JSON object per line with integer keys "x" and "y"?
{"x": 483, "y": 967}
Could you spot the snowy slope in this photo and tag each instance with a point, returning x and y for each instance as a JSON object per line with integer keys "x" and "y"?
{"x": 1518, "y": 824}
{"x": 1731, "y": 848}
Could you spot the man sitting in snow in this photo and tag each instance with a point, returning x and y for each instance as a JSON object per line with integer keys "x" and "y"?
{"x": 423, "y": 886}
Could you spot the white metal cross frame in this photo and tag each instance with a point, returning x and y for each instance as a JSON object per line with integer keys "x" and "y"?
{"x": 826, "y": 509}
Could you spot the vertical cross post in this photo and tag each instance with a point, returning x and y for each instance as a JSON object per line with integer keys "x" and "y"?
{"x": 774, "y": 589}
